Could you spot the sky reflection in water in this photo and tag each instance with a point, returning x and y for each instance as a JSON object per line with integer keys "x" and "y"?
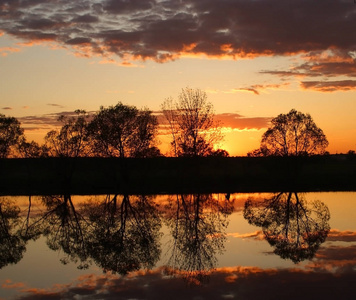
{"x": 238, "y": 246}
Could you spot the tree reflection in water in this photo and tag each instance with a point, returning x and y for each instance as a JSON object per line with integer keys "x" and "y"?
{"x": 292, "y": 226}
{"x": 12, "y": 245}
{"x": 197, "y": 223}
{"x": 121, "y": 233}
{"x": 124, "y": 233}
{"x": 65, "y": 229}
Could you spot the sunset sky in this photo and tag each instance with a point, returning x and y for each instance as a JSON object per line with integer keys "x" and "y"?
{"x": 254, "y": 58}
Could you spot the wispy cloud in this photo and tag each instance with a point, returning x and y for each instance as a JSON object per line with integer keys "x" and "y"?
{"x": 323, "y": 65}
{"x": 8, "y": 284}
{"x": 5, "y": 51}
{"x": 237, "y": 121}
{"x": 344, "y": 236}
{"x": 45, "y": 122}
{"x": 233, "y": 121}
{"x": 328, "y": 63}
{"x": 257, "y": 88}
{"x": 55, "y": 105}
{"x": 329, "y": 86}
{"x": 258, "y": 235}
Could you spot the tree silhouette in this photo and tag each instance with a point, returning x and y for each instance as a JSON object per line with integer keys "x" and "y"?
{"x": 292, "y": 134}
{"x": 31, "y": 149}
{"x": 71, "y": 140}
{"x": 197, "y": 224}
{"x": 123, "y": 131}
{"x": 191, "y": 124}
{"x": 10, "y": 134}
{"x": 292, "y": 226}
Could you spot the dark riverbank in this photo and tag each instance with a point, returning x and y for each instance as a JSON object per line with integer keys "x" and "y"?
{"x": 176, "y": 175}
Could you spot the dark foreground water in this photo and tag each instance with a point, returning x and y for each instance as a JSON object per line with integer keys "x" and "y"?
{"x": 215, "y": 246}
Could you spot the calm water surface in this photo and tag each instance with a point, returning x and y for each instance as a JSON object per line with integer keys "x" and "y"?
{"x": 217, "y": 246}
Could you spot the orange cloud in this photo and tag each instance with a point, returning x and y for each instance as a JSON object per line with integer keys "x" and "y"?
{"x": 237, "y": 121}
{"x": 229, "y": 122}
{"x": 8, "y": 284}
{"x": 4, "y": 51}
{"x": 345, "y": 236}
{"x": 324, "y": 64}
{"x": 329, "y": 86}
{"x": 256, "y": 89}
{"x": 258, "y": 235}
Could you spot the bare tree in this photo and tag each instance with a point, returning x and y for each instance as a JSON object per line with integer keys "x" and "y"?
{"x": 191, "y": 123}
{"x": 292, "y": 134}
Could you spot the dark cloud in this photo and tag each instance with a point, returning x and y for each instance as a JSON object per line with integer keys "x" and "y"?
{"x": 46, "y": 122}
{"x": 7, "y": 108}
{"x": 165, "y": 30}
{"x": 124, "y": 6}
{"x": 327, "y": 69}
{"x": 78, "y": 41}
{"x": 283, "y": 73}
{"x": 85, "y": 19}
{"x": 40, "y": 122}
{"x": 344, "y": 236}
{"x": 329, "y": 63}
{"x": 41, "y": 24}
{"x": 338, "y": 253}
{"x": 34, "y": 36}
{"x": 224, "y": 283}
{"x": 337, "y": 259}
{"x": 329, "y": 86}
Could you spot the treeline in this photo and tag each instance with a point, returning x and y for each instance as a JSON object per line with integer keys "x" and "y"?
{"x": 126, "y": 131}
{"x": 122, "y": 131}
{"x": 116, "y": 131}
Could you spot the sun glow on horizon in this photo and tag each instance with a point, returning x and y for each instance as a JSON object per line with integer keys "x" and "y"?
{"x": 248, "y": 81}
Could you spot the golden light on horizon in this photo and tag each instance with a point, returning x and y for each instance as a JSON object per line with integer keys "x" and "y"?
{"x": 252, "y": 69}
